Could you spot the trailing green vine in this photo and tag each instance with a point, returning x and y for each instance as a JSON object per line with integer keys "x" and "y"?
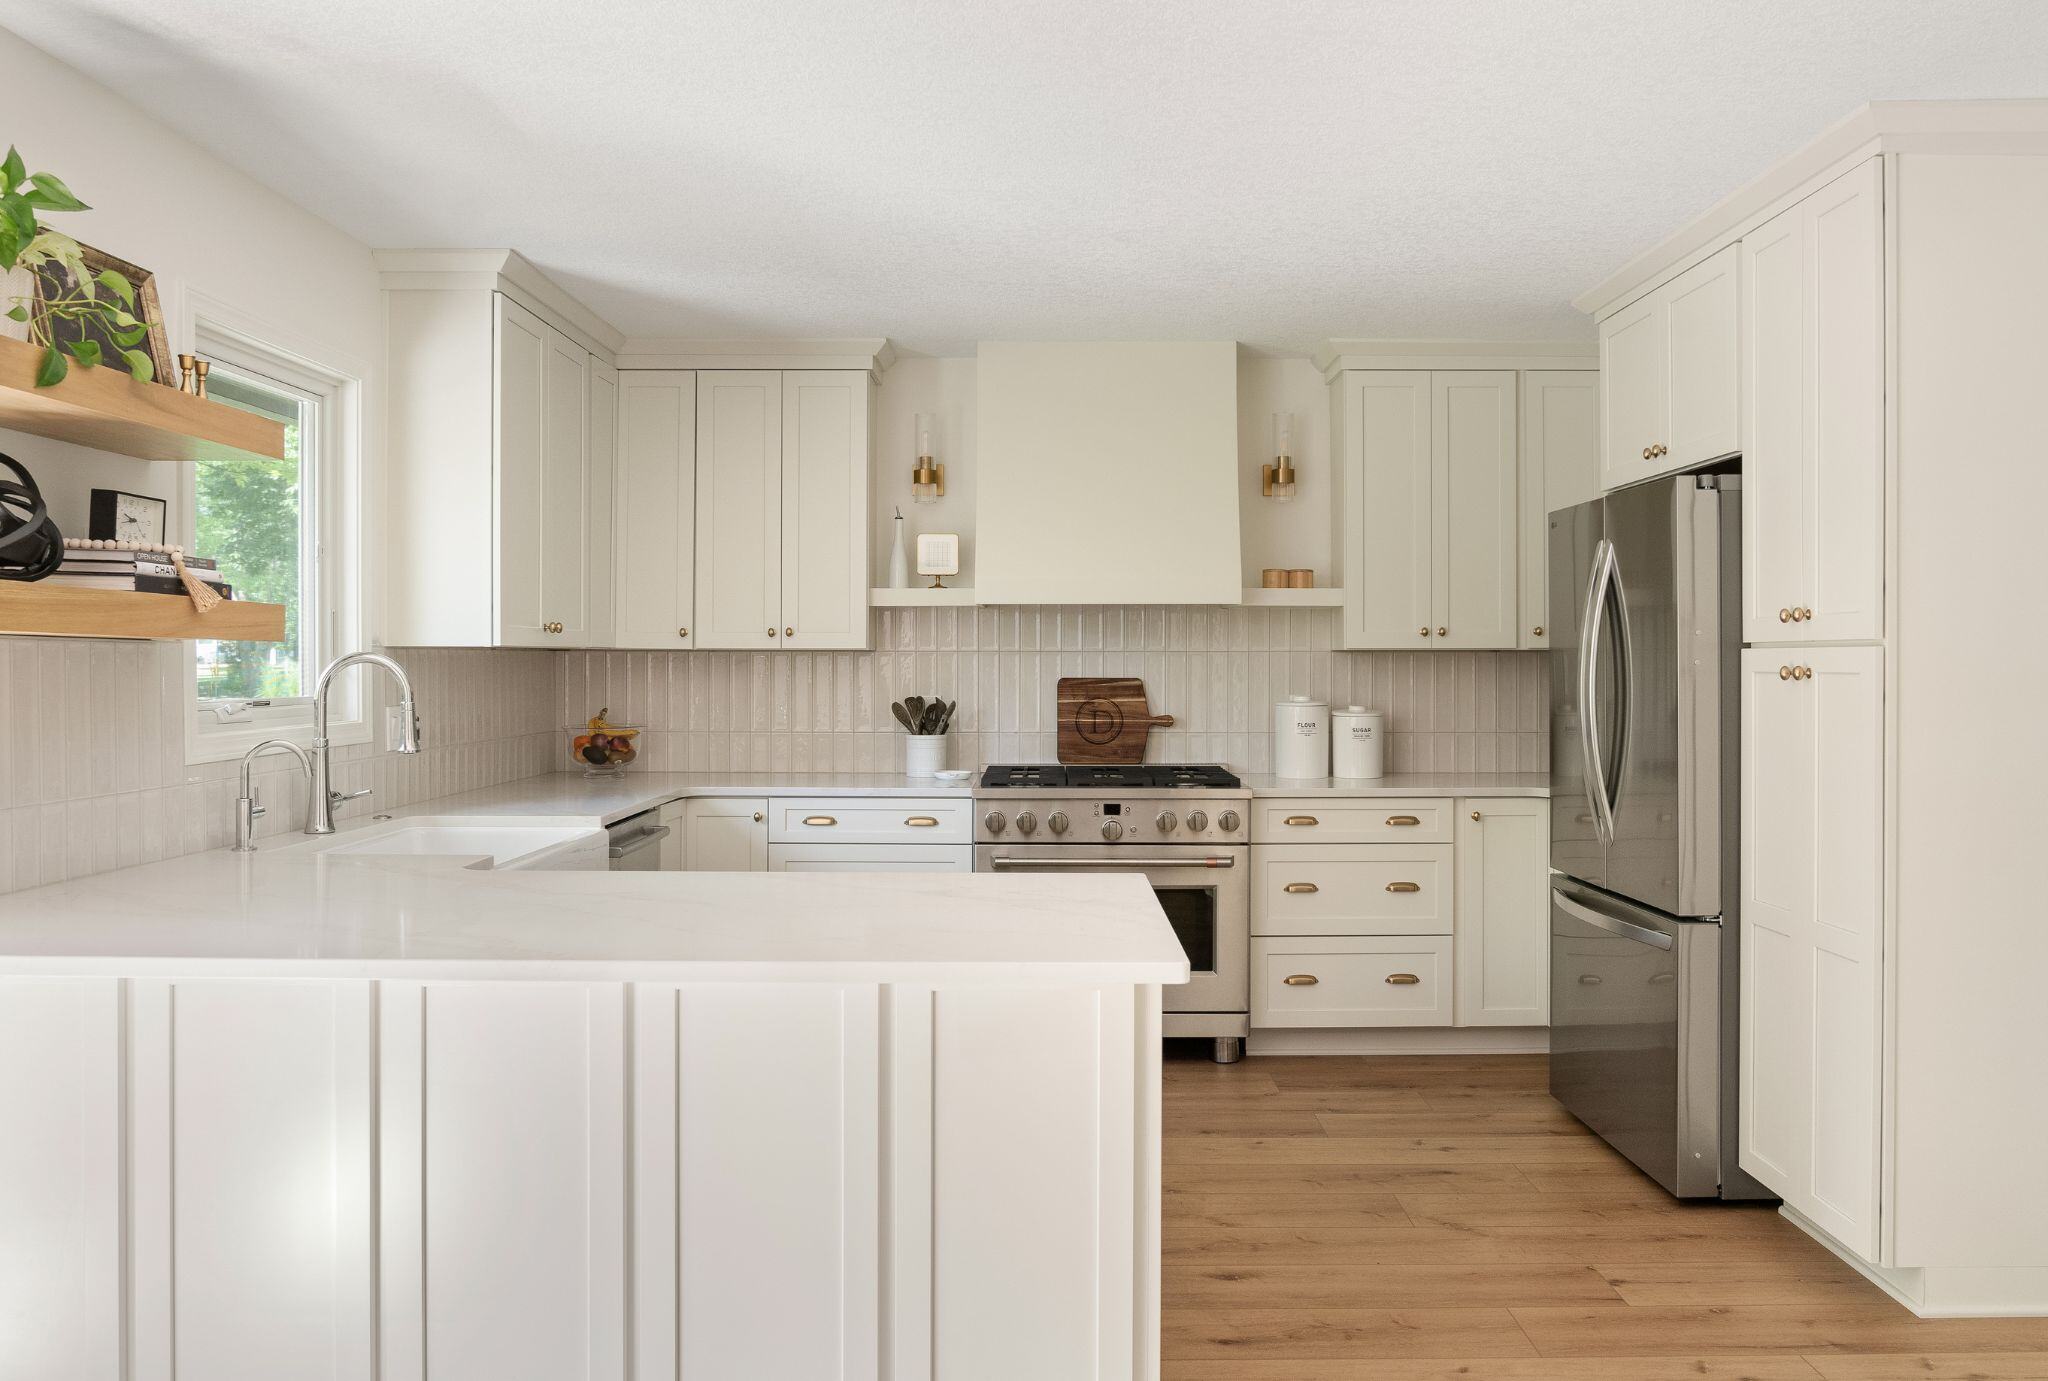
{"x": 106, "y": 298}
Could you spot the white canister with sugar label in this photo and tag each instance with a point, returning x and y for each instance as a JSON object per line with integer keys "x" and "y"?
{"x": 1360, "y": 742}
{"x": 1301, "y": 739}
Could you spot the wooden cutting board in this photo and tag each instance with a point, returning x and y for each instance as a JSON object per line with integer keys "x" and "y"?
{"x": 1105, "y": 719}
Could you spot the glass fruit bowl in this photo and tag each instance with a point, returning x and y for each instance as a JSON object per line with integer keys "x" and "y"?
{"x": 603, "y": 749}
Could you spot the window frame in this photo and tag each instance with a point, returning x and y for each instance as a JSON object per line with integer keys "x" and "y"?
{"x": 331, "y": 611}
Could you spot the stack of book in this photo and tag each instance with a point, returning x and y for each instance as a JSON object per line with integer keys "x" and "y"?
{"x": 148, "y": 573}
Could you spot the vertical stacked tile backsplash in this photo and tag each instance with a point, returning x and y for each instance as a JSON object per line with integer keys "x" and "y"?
{"x": 92, "y": 751}
{"x": 1216, "y": 670}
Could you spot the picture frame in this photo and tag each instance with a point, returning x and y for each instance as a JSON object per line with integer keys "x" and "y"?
{"x": 118, "y": 516}
{"x": 54, "y": 279}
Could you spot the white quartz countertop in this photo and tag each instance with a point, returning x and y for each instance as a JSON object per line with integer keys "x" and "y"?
{"x": 570, "y": 794}
{"x": 1407, "y": 784}
{"x": 291, "y": 912}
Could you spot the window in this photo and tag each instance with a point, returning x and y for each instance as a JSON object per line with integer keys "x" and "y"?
{"x": 284, "y": 532}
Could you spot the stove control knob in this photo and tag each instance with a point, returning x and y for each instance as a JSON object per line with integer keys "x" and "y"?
{"x": 1057, "y": 822}
{"x": 1026, "y": 822}
{"x": 1198, "y": 820}
{"x": 1112, "y": 830}
{"x": 994, "y": 822}
{"x": 1166, "y": 822}
{"x": 1227, "y": 822}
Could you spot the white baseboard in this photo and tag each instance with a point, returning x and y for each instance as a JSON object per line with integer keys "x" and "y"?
{"x": 1401, "y": 1040}
{"x": 1944, "y": 1292}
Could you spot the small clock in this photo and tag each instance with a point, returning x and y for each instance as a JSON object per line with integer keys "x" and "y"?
{"x": 121, "y": 517}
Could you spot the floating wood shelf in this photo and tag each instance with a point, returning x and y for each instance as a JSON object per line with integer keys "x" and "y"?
{"x": 75, "y": 611}
{"x": 951, "y": 596}
{"x": 107, "y": 410}
{"x": 1323, "y": 597}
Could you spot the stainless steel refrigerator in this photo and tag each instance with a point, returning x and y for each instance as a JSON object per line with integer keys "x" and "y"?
{"x": 1645, "y": 619}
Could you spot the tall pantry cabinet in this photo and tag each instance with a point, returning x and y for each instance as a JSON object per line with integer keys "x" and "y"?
{"x": 1892, "y": 285}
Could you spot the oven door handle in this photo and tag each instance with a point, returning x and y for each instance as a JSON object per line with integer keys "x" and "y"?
{"x": 1211, "y": 861}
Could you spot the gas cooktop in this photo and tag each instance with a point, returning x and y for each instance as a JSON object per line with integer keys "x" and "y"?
{"x": 1137, "y": 776}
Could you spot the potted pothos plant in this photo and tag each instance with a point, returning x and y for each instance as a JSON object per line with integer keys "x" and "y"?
{"x": 105, "y": 300}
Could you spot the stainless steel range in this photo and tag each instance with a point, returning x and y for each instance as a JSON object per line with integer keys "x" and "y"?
{"x": 1183, "y": 827}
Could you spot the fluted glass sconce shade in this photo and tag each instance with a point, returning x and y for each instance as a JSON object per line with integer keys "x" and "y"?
{"x": 1276, "y": 481}
{"x": 927, "y": 477}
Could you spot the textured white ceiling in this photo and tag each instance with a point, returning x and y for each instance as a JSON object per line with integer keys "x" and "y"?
{"x": 942, "y": 173}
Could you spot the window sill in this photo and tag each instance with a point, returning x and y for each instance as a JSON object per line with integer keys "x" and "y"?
{"x": 226, "y": 743}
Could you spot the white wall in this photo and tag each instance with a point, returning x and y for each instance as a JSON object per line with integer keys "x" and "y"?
{"x": 1273, "y": 534}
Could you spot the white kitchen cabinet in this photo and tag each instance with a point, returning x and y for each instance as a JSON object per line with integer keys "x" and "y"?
{"x": 1812, "y": 927}
{"x": 1350, "y": 820}
{"x": 655, "y": 503}
{"x": 603, "y": 460}
{"x": 674, "y": 817}
{"x": 871, "y": 820}
{"x": 1503, "y": 912}
{"x": 502, "y": 1237}
{"x": 725, "y": 834}
{"x": 1430, "y": 508}
{"x": 489, "y": 530}
{"x": 1671, "y": 395}
{"x": 870, "y": 858}
{"x": 1560, "y": 469}
{"x": 1351, "y": 889}
{"x": 782, "y": 475}
{"x": 1813, "y": 455}
{"x": 1375, "y": 980}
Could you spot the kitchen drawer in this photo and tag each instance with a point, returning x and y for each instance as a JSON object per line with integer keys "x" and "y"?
{"x": 1351, "y": 820}
{"x": 870, "y": 858}
{"x": 871, "y": 820}
{"x": 1351, "y": 889}
{"x": 1359, "y": 981}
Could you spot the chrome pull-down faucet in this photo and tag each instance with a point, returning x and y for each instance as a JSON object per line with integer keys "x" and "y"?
{"x": 320, "y": 810}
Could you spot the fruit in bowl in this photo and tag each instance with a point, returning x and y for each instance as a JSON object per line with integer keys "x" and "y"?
{"x": 602, "y": 748}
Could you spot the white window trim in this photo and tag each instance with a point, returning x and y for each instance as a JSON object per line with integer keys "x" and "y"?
{"x": 219, "y": 332}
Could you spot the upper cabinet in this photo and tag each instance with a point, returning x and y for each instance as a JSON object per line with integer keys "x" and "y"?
{"x": 492, "y": 540}
{"x": 1560, "y": 469}
{"x": 1430, "y": 508}
{"x": 782, "y": 485}
{"x": 1672, "y": 398}
{"x": 1813, "y": 455}
{"x": 655, "y": 508}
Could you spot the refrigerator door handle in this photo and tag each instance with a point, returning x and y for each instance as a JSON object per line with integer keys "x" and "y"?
{"x": 1589, "y": 655}
{"x": 1613, "y": 925}
{"x": 1624, "y": 685}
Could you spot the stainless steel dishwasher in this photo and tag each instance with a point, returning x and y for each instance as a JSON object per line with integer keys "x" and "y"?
{"x": 636, "y": 842}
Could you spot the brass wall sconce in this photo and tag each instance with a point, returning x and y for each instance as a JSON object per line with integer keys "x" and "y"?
{"x": 927, "y": 477}
{"x": 1276, "y": 481}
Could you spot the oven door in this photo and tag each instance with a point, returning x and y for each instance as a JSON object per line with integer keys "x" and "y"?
{"x": 1204, "y": 891}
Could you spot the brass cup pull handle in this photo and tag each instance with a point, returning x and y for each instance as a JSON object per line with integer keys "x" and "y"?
{"x": 1403, "y": 820}
{"x": 923, "y": 822}
{"x": 821, "y": 820}
{"x": 1302, "y": 820}
{"x": 1591, "y": 980}
{"x": 1404, "y": 887}
{"x": 1300, "y": 980}
{"x": 1402, "y": 980}
{"x": 1301, "y": 888}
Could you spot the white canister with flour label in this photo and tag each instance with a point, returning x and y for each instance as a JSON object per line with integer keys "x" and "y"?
{"x": 1360, "y": 737}
{"x": 1301, "y": 739}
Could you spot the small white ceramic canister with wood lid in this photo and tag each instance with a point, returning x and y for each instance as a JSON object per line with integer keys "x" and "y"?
{"x": 1359, "y": 738}
{"x": 1301, "y": 739}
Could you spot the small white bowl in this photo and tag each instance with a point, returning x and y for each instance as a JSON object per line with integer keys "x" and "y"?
{"x": 953, "y": 775}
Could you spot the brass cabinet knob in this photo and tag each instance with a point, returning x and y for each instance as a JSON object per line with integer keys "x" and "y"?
{"x": 1443, "y": 632}
{"x": 771, "y": 632}
{"x": 1784, "y": 673}
{"x": 1537, "y": 631}
{"x": 1300, "y": 980}
{"x": 758, "y": 817}
{"x": 551, "y": 628}
{"x": 1802, "y": 614}
{"x": 1402, "y": 980}
{"x": 789, "y": 632}
{"x": 1784, "y": 616}
{"x": 1802, "y": 673}
{"x": 1646, "y": 451}
{"x": 1423, "y": 631}
{"x": 682, "y": 632}
{"x": 1404, "y": 887}
{"x": 1475, "y": 815}
{"x": 1301, "y": 888}
{"x": 1662, "y": 449}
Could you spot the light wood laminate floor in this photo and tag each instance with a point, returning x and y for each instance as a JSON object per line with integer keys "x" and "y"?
{"x": 1442, "y": 1219}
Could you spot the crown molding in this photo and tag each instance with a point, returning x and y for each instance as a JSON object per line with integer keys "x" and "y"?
{"x": 1333, "y": 357}
{"x": 873, "y": 353}
{"x": 1880, "y": 127}
{"x": 498, "y": 270}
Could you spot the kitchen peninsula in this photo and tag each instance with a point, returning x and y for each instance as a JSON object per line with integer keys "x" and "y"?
{"x": 316, "y": 1112}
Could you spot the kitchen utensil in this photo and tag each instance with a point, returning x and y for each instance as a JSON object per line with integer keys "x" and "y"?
{"x": 1105, "y": 719}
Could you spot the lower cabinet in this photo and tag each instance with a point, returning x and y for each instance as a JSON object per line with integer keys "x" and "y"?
{"x": 725, "y": 834}
{"x": 870, "y": 858}
{"x": 1503, "y": 912}
{"x": 824, "y": 834}
{"x": 1352, "y": 981}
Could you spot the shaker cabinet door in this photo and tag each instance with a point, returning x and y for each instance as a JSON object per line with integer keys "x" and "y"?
{"x": 655, "y": 529}
{"x": 1474, "y": 566}
{"x": 1503, "y": 913}
{"x": 1633, "y": 372}
{"x": 1703, "y": 392}
{"x": 1388, "y": 491}
{"x": 826, "y": 430}
{"x": 519, "y": 535}
{"x": 739, "y": 509}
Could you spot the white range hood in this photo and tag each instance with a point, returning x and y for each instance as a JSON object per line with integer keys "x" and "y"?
{"x": 1107, "y": 473}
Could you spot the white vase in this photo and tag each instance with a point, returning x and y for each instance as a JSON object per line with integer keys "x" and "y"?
{"x": 923, "y": 755}
{"x": 899, "y": 564}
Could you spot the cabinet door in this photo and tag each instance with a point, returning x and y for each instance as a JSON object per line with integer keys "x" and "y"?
{"x": 724, "y": 834}
{"x": 1387, "y": 495}
{"x": 1474, "y": 509}
{"x": 1560, "y": 469}
{"x": 1633, "y": 375}
{"x": 1813, "y": 465}
{"x": 1812, "y": 916}
{"x": 739, "y": 509}
{"x": 674, "y": 816}
{"x": 826, "y": 435}
{"x": 656, "y": 527}
{"x": 564, "y": 553}
{"x": 1703, "y": 389}
{"x": 602, "y": 415}
{"x": 519, "y": 538}
{"x": 1503, "y": 913}
{"x": 870, "y": 858}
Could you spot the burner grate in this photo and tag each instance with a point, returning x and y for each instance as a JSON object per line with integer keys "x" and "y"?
{"x": 1113, "y": 777}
